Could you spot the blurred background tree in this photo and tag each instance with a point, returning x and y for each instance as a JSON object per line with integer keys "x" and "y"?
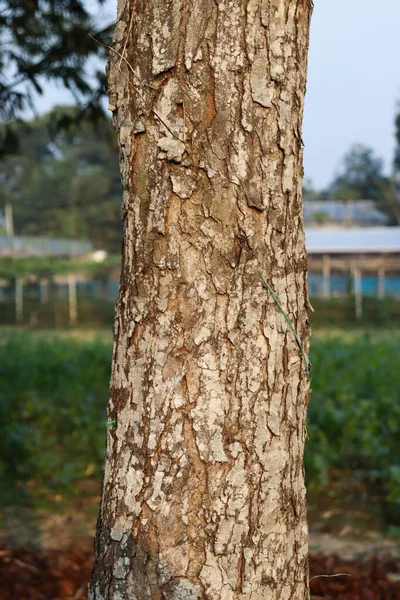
{"x": 59, "y": 170}
{"x": 47, "y": 41}
{"x": 396, "y": 166}
{"x": 64, "y": 182}
{"x": 360, "y": 176}
{"x": 310, "y": 194}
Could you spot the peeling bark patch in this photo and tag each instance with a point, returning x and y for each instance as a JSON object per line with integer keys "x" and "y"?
{"x": 184, "y": 182}
{"x": 172, "y": 148}
{"x": 169, "y": 109}
{"x": 165, "y": 34}
{"x": 262, "y": 91}
{"x": 181, "y": 589}
{"x": 200, "y": 12}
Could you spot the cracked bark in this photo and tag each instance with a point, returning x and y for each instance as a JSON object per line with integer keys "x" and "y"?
{"x": 203, "y": 492}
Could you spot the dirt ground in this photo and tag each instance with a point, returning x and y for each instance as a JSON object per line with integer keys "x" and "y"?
{"x": 46, "y": 554}
{"x": 57, "y": 567}
{"x": 63, "y": 574}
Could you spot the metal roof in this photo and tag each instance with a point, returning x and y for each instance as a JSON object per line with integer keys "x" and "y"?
{"x": 42, "y": 246}
{"x": 354, "y": 211}
{"x": 354, "y": 240}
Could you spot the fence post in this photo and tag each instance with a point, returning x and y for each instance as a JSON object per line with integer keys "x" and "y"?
{"x": 381, "y": 282}
{"x": 44, "y": 291}
{"x": 358, "y": 292}
{"x": 72, "y": 297}
{"x": 326, "y": 276}
{"x": 19, "y": 299}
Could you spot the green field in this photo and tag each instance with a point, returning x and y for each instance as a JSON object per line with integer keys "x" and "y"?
{"x": 53, "y": 397}
{"x": 54, "y": 389}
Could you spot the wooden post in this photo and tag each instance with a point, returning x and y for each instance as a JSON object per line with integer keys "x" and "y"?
{"x": 19, "y": 299}
{"x": 44, "y": 291}
{"x": 346, "y": 214}
{"x": 358, "y": 292}
{"x": 381, "y": 282}
{"x": 326, "y": 276}
{"x": 72, "y": 297}
{"x": 9, "y": 220}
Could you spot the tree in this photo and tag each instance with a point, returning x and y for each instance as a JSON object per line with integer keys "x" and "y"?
{"x": 310, "y": 194}
{"x": 203, "y": 492}
{"x": 360, "y": 176}
{"x": 64, "y": 183}
{"x": 47, "y": 40}
{"x": 395, "y": 196}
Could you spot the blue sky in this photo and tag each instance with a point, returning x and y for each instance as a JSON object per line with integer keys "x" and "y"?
{"x": 353, "y": 81}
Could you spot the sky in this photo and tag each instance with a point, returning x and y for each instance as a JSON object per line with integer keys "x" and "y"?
{"x": 353, "y": 82}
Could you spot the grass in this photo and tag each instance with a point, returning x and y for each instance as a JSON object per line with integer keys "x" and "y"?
{"x": 54, "y": 391}
{"x": 354, "y": 414}
{"x": 53, "y": 396}
{"x": 81, "y": 334}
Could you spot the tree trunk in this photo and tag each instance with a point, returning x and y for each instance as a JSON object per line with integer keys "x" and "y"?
{"x": 203, "y": 492}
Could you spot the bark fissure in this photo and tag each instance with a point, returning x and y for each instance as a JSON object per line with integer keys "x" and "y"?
{"x": 203, "y": 492}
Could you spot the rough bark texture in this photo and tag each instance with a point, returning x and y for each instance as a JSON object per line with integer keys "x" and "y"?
{"x": 203, "y": 493}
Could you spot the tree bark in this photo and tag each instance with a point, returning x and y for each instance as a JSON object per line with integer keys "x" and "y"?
{"x": 203, "y": 492}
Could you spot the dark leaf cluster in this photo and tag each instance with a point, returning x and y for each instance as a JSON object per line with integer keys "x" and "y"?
{"x": 42, "y": 41}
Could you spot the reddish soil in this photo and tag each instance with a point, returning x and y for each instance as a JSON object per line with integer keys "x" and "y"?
{"x": 367, "y": 579}
{"x": 63, "y": 575}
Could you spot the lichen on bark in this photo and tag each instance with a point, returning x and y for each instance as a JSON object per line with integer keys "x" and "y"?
{"x": 203, "y": 491}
